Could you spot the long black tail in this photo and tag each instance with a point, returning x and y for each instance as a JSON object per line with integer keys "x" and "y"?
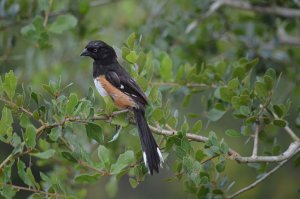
{"x": 151, "y": 153}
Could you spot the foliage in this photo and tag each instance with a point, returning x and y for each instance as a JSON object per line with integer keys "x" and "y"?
{"x": 59, "y": 136}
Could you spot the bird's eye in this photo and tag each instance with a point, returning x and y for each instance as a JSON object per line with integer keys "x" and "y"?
{"x": 95, "y": 50}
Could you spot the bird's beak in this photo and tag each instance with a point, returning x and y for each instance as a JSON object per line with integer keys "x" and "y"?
{"x": 85, "y": 52}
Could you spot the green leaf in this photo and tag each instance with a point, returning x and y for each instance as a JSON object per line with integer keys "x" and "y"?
{"x": 6, "y": 121}
{"x": 8, "y": 191}
{"x": 278, "y": 111}
{"x": 185, "y": 127}
{"x": 153, "y": 94}
{"x": 63, "y": 23}
{"x": 120, "y": 120}
{"x": 24, "y": 121}
{"x": 133, "y": 182}
{"x": 180, "y": 74}
{"x": 30, "y": 136}
{"x": 166, "y": 68}
{"x": 49, "y": 88}
{"x": 44, "y": 155}
{"x": 233, "y": 84}
{"x": 36, "y": 33}
{"x": 87, "y": 178}
{"x": 22, "y": 174}
{"x": 239, "y": 72}
{"x": 142, "y": 82}
{"x": 10, "y": 84}
{"x": 94, "y": 131}
{"x": 67, "y": 155}
{"x": 226, "y": 94}
{"x": 271, "y": 72}
{"x": 36, "y": 115}
{"x": 260, "y": 89}
{"x": 55, "y": 133}
{"x": 279, "y": 123}
{"x": 43, "y": 5}
{"x": 123, "y": 161}
{"x": 84, "y": 6}
{"x": 157, "y": 114}
{"x": 215, "y": 114}
{"x": 30, "y": 32}
{"x": 197, "y": 127}
{"x": 73, "y": 100}
{"x": 200, "y": 155}
{"x": 233, "y": 133}
{"x": 186, "y": 100}
{"x": 131, "y": 57}
{"x": 125, "y": 52}
{"x": 220, "y": 166}
{"x": 112, "y": 187}
{"x": 1, "y": 86}
{"x": 104, "y": 155}
{"x": 251, "y": 119}
{"x": 16, "y": 140}
{"x": 269, "y": 82}
{"x": 32, "y": 178}
{"x": 130, "y": 40}
{"x": 34, "y": 96}
{"x": 251, "y": 64}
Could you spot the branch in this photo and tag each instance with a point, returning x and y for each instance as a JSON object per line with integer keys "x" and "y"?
{"x": 243, "y": 5}
{"x": 255, "y": 142}
{"x": 55, "y": 195}
{"x": 85, "y": 164}
{"x": 101, "y": 3}
{"x": 288, "y": 130}
{"x": 276, "y": 10}
{"x": 252, "y": 185}
{"x": 21, "y": 108}
{"x": 291, "y": 151}
{"x": 189, "y": 85}
{"x": 7, "y": 159}
{"x": 284, "y": 38}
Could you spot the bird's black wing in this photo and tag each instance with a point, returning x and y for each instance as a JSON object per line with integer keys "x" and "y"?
{"x": 122, "y": 80}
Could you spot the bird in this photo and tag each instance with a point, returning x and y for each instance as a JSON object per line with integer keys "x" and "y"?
{"x": 111, "y": 79}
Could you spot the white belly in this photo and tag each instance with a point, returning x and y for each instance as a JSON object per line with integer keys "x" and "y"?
{"x": 100, "y": 88}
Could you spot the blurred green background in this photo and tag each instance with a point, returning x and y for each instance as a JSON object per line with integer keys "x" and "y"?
{"x": 177, "y": 27}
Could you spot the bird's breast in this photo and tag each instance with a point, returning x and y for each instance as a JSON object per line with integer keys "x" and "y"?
{"x": 100, "y": 87}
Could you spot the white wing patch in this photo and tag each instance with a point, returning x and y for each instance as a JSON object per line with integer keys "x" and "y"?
{"x": 145, "y": 159}
{"x": 100, "y": 88}
{"x": 121, "y": 86}
{"x": 160, "y": 157}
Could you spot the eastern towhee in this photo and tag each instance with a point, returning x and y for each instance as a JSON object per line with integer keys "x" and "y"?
{"x": 111, "y": 79}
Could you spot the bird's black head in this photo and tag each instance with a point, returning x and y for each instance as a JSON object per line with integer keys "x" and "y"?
{"x": 99, "y": 51}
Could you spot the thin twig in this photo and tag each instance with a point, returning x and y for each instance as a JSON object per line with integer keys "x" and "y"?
{"x": 56, "y": 195}
{"x": 288, "y": 130}
{"x": 276, "y": 10}
{"x": 85, "y": 164}
{"x": 21, "y": 108}
{"x": 189, "y": 85}
{"x": 101, "y": 3}
{"x": 7, "y": 159}
{"x": 252, "y": 185}
{"x": 291, "y": 151}
{"x": 208, "y": 159}
{"x": 284, "y": 38}
{"x": 47, "y": 13}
